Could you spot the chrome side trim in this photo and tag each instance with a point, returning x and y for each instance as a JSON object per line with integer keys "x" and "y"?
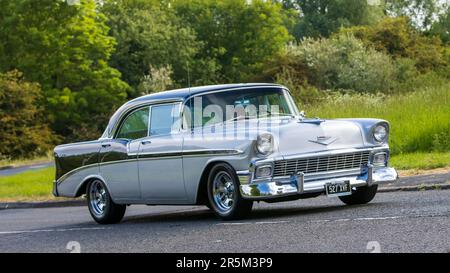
{"x": 69, "y": 173}
{"x": 212, "y": 152}
{"x": 149, "y": 156}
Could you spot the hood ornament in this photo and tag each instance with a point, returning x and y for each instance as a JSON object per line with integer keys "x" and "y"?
{"x": 324, "y": 140}
{"x": 302, "y": 119}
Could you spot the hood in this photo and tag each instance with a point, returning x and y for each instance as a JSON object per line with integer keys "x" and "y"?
{"x": 303, "y": 137}
{"x": 293, "y": 136}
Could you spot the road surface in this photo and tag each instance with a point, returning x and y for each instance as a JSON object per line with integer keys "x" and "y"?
{"x": 416, "y": 221}
{"x": 17, "y": 170}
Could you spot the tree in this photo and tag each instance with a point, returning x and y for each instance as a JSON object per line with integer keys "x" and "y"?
{"x": 149, "y": 34}
{"x": 442, "y": 27}
{"x": 65, "y": 48}
{"x": 241, "y": 35}
{"x": 23, "y": 129}
{"x": 399, "y": 39}
{"x": 157, "y": 80}
{"x": 321, "y": 18}
{"x": 422, "y": 13}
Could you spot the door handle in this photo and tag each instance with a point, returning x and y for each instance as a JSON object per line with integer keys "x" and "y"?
{"x": 144, "y": 142}
{"x": 106, "y": 145}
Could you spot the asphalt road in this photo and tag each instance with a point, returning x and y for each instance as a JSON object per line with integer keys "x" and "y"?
{"x": 393, "y": 222}
{"x": 16, "y": 170}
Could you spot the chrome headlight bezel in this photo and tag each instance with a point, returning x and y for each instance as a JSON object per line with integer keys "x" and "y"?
{"x": 265, "y": 144}
{"x": 380, "y": 133}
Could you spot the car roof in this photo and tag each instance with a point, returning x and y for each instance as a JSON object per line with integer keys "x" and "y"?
{"x": 178, "y": 94}
{"x": 186, "y": 92}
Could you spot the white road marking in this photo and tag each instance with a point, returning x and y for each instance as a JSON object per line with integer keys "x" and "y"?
{"x": 37, "y": 167}
{"x": 360, "y": 219}
{"x": 271, "y": 222}
{"x": 49, "y": 230}
{"x": 378, "y": 218}
{"x": 252, "y": 223}
{"x": 234, "y": 224}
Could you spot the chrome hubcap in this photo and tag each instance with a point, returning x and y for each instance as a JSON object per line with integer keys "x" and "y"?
{"x": 223, "y": 191}
{"x": 97, "y": 194}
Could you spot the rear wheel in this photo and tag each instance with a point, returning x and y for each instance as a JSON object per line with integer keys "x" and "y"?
{"x": 224, "y": 195}
{"x": 101, "y": 206}
{"x": 362, "y": 195}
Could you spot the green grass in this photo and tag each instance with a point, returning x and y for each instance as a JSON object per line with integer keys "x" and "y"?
{"x": 30, "y": 185}
{"x": 420, "y": 120}
{"x": 421, "y": 161}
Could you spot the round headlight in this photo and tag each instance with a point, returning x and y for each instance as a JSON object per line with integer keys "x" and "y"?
{"x": 380, "y": 133}
{"x": 264, "y": 144}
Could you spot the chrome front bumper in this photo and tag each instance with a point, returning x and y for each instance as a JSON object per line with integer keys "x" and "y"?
{"x": 300, "y": 184}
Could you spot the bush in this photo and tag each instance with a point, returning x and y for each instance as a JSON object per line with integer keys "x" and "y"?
{"x": 396, "y": 37}
{"x": 301, "y": 91}
{"x": 23, "y": 131}
{"x": 341, "y": 62}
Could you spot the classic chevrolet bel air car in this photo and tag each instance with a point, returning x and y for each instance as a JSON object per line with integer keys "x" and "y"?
{"x": 222, "y": 146}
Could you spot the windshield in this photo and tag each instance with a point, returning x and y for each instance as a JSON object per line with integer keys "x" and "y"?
{"x": 226, "y": 106}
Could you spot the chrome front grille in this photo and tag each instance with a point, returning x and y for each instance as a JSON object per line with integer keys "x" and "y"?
{"x": 321, "y": 164}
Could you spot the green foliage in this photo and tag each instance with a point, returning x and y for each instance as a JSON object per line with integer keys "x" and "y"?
{"x": 66, "y": 50}
{"x": 422, "y": 13}
{"x": 241, "y": 35}
{"x": 80, "y": 62}
{"x": 23, "y": 129}
{"x": 149, "y": 34}
{"x": 420, "y": 120}
{"x": 321, "y": 18}
{"x": 396, "y": 37}
{"x": 157, "y": 80}
{"x": 442, "y": 27}
{"x": 340, "y": 62}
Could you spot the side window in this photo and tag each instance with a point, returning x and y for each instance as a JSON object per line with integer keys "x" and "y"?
{"x": 164, "y": 119}
{"x": 135, "y": 125}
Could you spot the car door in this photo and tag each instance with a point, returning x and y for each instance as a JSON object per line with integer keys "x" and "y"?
{"x": 118, "y": 156}
{"x": 160, "y": 159}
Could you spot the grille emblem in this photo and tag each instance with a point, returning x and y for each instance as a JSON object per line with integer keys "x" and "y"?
{"x": 324, "y": 140}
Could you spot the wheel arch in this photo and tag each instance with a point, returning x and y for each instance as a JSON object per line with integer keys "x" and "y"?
{"x": 83, "y": 185}
{"x": 202, "y": 194}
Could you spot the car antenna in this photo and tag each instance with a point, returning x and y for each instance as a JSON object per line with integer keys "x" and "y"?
{"x": 188, "y": 78}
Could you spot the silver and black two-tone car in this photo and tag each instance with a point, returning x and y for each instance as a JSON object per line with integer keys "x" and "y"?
{"x": 222, "y": 146}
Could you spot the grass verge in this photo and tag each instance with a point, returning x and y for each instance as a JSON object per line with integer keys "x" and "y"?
{"x": 420, "y": 120}
{"x": 421, "y": 161}
{"x": 35, "y": 185}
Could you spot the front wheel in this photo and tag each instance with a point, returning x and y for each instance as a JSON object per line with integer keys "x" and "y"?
{"x": 101, "y": 206}
{"x": 362, "y": 195}
{"x": 224, "y": 195}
